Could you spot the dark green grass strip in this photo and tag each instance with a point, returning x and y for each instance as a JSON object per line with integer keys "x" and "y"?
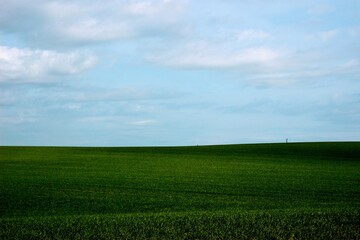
{"x": 267, "y": 225}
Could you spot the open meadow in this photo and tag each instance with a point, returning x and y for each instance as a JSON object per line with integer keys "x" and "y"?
{"x": 250, "y": 191}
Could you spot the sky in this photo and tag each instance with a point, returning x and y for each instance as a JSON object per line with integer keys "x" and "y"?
{"x": 178, "y": 72}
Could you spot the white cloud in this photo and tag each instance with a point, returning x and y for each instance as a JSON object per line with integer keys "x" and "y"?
{"x": 253, "y": 34}
{"x": 73, "y": 106}
{"x": 353, "y": 31}
{"x": 91, "y": 30}
{"x": 146, "y": 122}
{"x": 77, "y": 22}
{"x": 273, "y": 80}
{"x": 321, "y": 9}
{"x": 19, "y": 117}
{"x": 206, "y": 55}
{"x": 152, "y": 7}
{"x": 351, "y": 65}
{"x": 290, "y": 77}
{"x": 327, "y": 35}
{"x": 323, "y": 36}
{"x": 116, "y": 119}
{"x": 23, "y": 64}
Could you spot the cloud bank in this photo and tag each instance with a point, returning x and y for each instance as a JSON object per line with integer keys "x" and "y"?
{"x": 23, "y": 64}
{"x": 75, "y": 23}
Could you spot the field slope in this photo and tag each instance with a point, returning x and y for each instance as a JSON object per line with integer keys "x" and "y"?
{"x": 252, "y": 191}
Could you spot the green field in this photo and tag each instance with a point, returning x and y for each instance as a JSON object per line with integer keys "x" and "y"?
{"x": 254, "y": 191}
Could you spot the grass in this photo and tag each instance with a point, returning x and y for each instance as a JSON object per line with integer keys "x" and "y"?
{"x": 260, "y": 191}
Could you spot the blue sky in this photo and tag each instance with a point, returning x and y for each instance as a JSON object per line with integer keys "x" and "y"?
{"x": 184, "y": 72}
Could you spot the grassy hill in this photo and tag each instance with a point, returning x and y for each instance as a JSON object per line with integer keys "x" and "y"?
{"x": 254, "y": 191}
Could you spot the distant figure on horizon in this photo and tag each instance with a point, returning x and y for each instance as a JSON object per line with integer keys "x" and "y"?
{"x": 286, "y": 140}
